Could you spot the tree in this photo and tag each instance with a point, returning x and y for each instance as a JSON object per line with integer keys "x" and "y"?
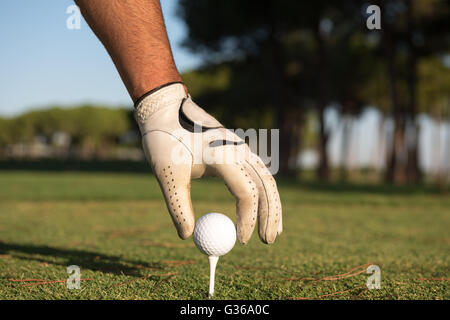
{"x": 302, "y": 55}
{"x": 279, "y": 53}
{"x": 411, "y": 31}
{"x": 434, "y": 98}
{"x": 95, "y": 130}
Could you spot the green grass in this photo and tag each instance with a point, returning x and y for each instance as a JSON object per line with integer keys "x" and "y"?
{"x": 116, "y": 228}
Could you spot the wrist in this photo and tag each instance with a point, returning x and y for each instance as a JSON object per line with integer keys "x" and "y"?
{"x": 162, "y": 97}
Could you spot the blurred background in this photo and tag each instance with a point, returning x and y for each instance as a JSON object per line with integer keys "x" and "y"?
{"x": 352, "y": 104}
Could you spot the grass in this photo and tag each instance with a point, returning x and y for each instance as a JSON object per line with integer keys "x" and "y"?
{"x": 116, "y": 228}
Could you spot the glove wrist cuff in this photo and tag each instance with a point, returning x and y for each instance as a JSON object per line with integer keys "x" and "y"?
{"x": 159, "y": 98}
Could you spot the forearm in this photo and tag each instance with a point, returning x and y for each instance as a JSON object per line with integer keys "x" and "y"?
{"x": 135, "y": 37}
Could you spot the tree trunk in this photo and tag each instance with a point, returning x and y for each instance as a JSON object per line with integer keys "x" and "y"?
{"x": 394, "y": 164}
{"x": 439, "y": 177}
{"x": 323, "y": 170}
{"x": 401, "y": 151}
{"x": 290, "y": 129}
{"x": 379, "y": 149}
{"x": 413, "y": 172}
{"x": 345, "y": 148}
{"x": 447, "y": 153}
{"x": 275, "y": 81}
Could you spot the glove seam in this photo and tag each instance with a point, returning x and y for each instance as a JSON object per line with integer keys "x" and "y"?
{"x": 267, "y": 198}
{"x": 184, "y": 145}
{"x": 157, "y": 100}
{"x": 145, "y": 95}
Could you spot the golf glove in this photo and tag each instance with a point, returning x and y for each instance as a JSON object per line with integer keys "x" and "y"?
{"x": 183, "y": 142}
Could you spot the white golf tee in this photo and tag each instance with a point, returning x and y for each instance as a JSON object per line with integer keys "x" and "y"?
{"x": 212, "y": 271}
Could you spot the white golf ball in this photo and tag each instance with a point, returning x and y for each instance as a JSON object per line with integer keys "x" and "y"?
{"x": 214, "y": 234}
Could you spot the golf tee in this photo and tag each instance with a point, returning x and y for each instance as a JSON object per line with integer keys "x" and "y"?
{"x": 212, "y": 271}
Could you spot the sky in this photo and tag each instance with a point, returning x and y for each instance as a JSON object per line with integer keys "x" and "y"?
{"x": 43, "y": 63}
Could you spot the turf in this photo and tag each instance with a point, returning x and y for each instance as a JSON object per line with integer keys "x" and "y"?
{"x": 116, "y": 228}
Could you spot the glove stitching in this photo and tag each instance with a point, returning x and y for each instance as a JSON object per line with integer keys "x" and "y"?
{"x": 145, "y": 95}
{"x": 159, "y": 100}
{"x": 158, "y": 130}
{"x": 147, "y": 108}
{"x": 267, "y": 198}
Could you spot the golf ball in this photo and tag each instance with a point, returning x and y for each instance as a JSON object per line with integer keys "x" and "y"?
{"x": 214, "y": 234}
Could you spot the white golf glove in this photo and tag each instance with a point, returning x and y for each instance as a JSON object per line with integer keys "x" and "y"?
{"x": 183, "y": 142}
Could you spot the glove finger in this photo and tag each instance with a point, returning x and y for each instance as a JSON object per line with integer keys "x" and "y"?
{"x": 280, "y": 224}
{"x": 175, "y": 183}
{"x": 244, "y": 189}
{"x": 269, "y": 209}
{"x": 173, "y": 177}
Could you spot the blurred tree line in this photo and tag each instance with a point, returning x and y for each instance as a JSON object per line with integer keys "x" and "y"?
{"x": 283, "y": 64}
{"x": 272, "y": 63}
{"x": 91, "y": 130}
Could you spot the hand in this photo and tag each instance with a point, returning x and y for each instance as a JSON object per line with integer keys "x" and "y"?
{"x": 183, "y": 142}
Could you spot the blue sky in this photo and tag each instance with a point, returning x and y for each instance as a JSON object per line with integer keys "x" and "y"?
{"x": 44, "y": 63}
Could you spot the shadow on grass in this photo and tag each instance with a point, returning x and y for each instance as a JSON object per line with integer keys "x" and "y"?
{"x": 84, "y": 259}
{"x": 76, "y": 166}
{"x": 379, "y": 189}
